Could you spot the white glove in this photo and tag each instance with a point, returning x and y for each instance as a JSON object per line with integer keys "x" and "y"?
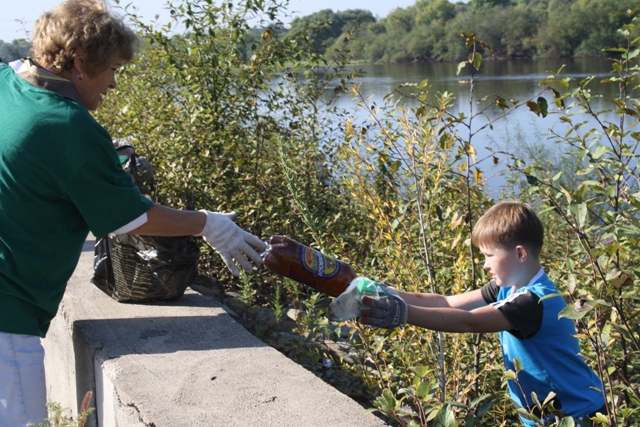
{"x": 231, "y": 242}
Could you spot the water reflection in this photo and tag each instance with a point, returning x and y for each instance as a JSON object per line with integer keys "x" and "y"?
{"x": 515, "y": 81}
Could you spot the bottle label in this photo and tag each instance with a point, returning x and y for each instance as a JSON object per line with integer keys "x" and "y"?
{"x": 317, "y": 264}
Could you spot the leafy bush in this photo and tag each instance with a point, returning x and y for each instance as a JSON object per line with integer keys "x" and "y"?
{"x": 596, "y": 254}
{"x": 231, "y": 122}
{"x": 57, "y": 418}
{"x": 238, "y": 122}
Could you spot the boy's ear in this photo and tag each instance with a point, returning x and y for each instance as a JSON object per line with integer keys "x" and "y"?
{"x": 521, "y": 253}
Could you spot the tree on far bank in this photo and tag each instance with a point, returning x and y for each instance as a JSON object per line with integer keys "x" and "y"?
{"x": 324, "y": 27}
{"x": 16, "y": 49}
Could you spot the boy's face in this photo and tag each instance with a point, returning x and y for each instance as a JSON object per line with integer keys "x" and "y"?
{"x": 504, "y": 264}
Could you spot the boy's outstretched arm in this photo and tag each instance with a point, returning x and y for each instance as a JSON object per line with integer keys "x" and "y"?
{"x": 483, "y": 319}
{"x": 465, "y": 301}
{"x": 391, "y": 311}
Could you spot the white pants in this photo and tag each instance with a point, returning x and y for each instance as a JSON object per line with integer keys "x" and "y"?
{"x": 23, "y": 394}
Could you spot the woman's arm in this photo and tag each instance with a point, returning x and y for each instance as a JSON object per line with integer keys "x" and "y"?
{"x": 165, "y": 221}
{"x": 219, "y": 230}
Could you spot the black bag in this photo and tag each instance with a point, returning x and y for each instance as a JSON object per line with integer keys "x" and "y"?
{"x": 131, "y": 268}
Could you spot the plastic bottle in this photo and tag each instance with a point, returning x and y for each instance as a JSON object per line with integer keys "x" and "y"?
{"x": 347, "y": 305}
{"x": 308, "y": 266}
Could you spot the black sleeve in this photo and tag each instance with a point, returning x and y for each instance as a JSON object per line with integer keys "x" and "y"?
{"x": 490, "y": 292}
{"x": 524, "y": 310}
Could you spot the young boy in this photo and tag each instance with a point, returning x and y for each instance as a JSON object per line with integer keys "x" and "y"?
{"x": 510, "y": 236}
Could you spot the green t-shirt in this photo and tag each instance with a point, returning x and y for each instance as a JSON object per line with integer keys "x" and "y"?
{"x": 59, "y": 179}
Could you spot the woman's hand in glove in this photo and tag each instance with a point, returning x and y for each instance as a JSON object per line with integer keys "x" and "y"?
{"x": 387, "y": 311}
{"x": 231, "y": 242}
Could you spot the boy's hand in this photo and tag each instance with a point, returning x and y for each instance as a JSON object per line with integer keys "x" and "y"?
{"x": 388, "y": 311}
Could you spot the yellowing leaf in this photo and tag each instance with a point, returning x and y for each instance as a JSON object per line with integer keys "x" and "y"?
{"x": 455, "y": 221}
{"x": 478, "y": 175}
{"x": 455, "y": 242}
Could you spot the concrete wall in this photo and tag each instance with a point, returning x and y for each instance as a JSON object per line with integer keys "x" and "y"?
{"x": 185, "y": 363}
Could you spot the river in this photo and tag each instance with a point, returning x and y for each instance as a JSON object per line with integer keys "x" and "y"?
{"x": 512, "y": 79}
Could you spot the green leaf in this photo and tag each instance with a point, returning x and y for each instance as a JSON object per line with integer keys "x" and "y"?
{"x": 477, "y": 60}
{"x": 570, "y": 312}
{"x": 600, "y": 151}
{"x": 445, "y": 417}
{"x": 601, "y": 418}
{"x": 457, "y": 404}
{"x": 524, "y": 411}
{"x": 517, "y": 364}
{"x": 570, "y": 264}
{"x": 482, "y": 409}
{"x": 501, "y": 103}
{"x": 421, "y": 371}
{"x": 586, "y": 171}
{"x": 579, "y": 211}
{"x": 582, "y": 214}
{"x": 405, "y": 390}
{"x": 469, "y": 38}
{"x": 389, "y": 399}
{"x": 479, "y": 399}
{"x": 615, "y": 49}
{"x": 549, "y": 397}
{"x": 543, "y": 106}
{"x": 558, "y": 99}
{"x": 532, "y": 180}
{"x": 591, "y": 183}
{"x": 534, "y": 398}
{"x": 533, "y": 106}
{"x": 567, "y": 422}
{"x": 551, "y": 295}
{"x": 461, "y": 66}
{"x": 423, "y": 390}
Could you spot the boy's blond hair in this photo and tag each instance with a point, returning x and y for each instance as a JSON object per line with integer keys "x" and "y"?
{"x": 510, "y": 224}
{"x": 86, "y": 24}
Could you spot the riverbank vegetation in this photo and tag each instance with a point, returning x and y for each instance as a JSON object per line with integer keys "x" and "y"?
{"x": 18, "y": 48}
{"x": 395, "y": 194}
{"x": 430, "y": 30}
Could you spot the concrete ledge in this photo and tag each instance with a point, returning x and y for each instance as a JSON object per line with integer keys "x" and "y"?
{"x": 185, "y": 363}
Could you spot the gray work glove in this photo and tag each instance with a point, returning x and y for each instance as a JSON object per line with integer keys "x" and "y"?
{"x": 231, "y": 242}
{"x": 387, "y": 311}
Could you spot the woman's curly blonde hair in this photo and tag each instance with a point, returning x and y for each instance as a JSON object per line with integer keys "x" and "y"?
{"x": 86, "y": 24}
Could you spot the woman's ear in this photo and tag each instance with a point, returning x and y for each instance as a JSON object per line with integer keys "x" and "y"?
{"x": 79, "y": 61}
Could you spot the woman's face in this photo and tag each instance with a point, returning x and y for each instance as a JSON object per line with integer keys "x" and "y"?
{"x": 93, "y": 89}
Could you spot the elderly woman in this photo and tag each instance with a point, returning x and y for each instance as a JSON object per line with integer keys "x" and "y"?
{"x": 61, "y": 178}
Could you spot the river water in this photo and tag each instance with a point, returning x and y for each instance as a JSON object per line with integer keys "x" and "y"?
{"x": 511, "y": 79}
